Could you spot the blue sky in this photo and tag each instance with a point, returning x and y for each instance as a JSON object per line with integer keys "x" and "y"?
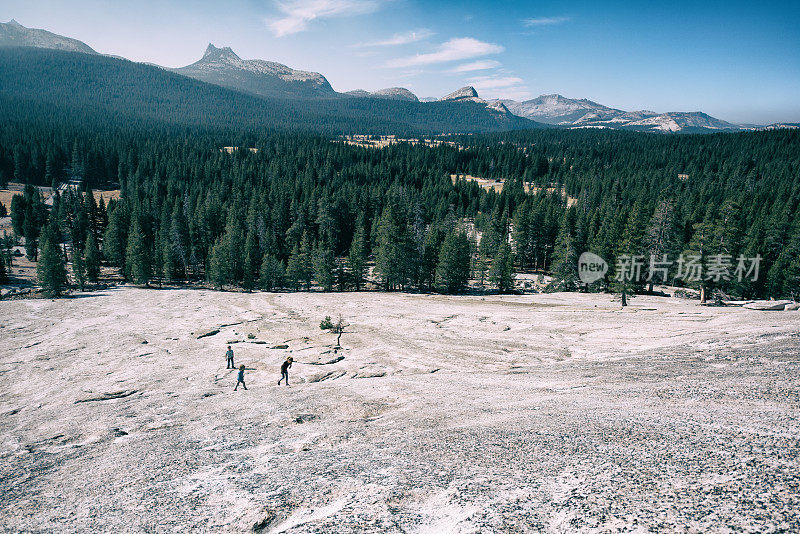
{"x": 739, "y": 61}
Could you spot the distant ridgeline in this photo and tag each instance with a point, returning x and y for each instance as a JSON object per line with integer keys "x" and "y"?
{"x": 42, "y": 83}
{"x": 304, "y": 210}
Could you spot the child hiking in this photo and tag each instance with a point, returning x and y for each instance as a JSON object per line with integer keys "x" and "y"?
{"x": 240, "y": 378}
{"x": 229, "y": 357}
{"x": 285, "y": 370}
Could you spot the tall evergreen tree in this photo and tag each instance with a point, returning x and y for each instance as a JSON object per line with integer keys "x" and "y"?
{"x": 452, "y": 271}
{"x": 115, "y": 238}
{"x": 628, "y": 275}
{"x": 252, "y": 261}
{"x": 219, "y": 265}
{"x": 501, "y": 273}
{"x": 324, "y": 267}
{"x": 565, "y": 260}
{"x": 272, "y": 273}
{"x": 660, "y": 241}
{"x": 137, "y": 256}
{"x": 357, "y": 258}
{"x": 79, "y": 270}
{"x": 51, "y": 269}
{"x": 91, "y": 259}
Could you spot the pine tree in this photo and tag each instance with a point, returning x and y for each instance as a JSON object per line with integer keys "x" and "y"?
{"x": 392, "y": 250}
{"x": 661, "y": 238}
{"x": 272, "y": 273}
{"x": 324, "y": 266}
{"x": 252, "y": 261}
{"x": 698, "y": 253}
{"x": 501, "y": 273}
{"x": 51, "y": 269}
{"x": 294, "y": 268}
{"x": 91, "y": 257}
{"x": 79, "y": 270}
{"x": 3, "y": 269}
{"x": 115, "y": 237}
{"x": 357, "y": 258}
{"x": 430, "y": 257}
{"x": 629, "y": 276}
{"x": 452, "y": 271}
{"x": 18, "y": 208}
{"x": 565, "y": 259}
{"x": 137, "y": 255}
{"x": 31, "y": 230}
{"x": 235, "y": 247}
{"x": 219, "y": 267}
{"x": 305, "y": 262}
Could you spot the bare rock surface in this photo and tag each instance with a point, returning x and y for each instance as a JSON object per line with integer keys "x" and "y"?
{"x": 544, "y": 413}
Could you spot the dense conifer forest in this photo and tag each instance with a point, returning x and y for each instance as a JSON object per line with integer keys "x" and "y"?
{"x": 303, "y": 211}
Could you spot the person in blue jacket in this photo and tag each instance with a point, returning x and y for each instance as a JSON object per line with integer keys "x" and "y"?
{"x": 240, "y": 378}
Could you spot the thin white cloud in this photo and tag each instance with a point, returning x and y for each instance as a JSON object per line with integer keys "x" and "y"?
{"x": 501, "y": 87}
{"x": 401, "y": 38}
{"x": 545, "y": 21}
{"x": 514, "y": 93}
{"x": 490, "y": 83}
{"x": 476, "y": 65}
{"x": 453, "y": 50}
{"x": 297, "y": 14}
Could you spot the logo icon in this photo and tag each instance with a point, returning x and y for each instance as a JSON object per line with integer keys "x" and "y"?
{"x": 591, "y": 267}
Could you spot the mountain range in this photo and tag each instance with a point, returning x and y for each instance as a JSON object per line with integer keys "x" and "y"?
{"x": 268, "y": 79}
{"x": 583, "y": 113}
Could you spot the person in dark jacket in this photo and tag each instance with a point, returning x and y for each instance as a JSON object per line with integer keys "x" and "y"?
{"x": 229, "y": 356}
{"x": 240, "y": 378}
{"x": 285, "y": 370}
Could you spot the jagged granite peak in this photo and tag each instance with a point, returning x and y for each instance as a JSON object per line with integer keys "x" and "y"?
{"x": 465, "y": 93}
{"x": 390, "y": 93}
{"x": 222, "y": 66}
{"x": 213, "y": 53}
{"x": 12, "y": 33}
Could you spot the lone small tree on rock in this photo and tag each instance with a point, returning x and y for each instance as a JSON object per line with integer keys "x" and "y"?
{"x": 335, "y": 328}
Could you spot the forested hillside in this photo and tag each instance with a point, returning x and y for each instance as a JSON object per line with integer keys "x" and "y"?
{"x": 68, "y": 86}
{"x": 307, "y": 210}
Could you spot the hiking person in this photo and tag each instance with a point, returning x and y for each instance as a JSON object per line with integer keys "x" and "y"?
{"x": 240, "y": 378}
{"x": 285, "y": 370}
{"x": 229, "y": 356}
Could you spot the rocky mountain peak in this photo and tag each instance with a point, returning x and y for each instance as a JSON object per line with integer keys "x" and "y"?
{"x": 461, "y": 94}
{"x": 213, "y": 53}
